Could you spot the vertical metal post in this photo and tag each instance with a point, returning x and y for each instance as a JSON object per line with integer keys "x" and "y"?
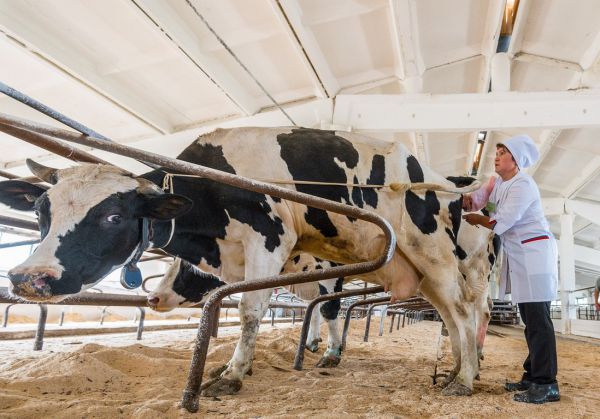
{"x": 140, "y": 328}
{"x": 392, "y": 322}
{"x": 215, "y": 324}
{"x": 6, "y": 310}
{"x": 272, "y": 317}
{"x": 293, "y": 316}
{"x": 62, "y": 317}
{"x": 102, "y": 315}
{"x": 382, "y": 318}
{"x": 41, "y": 328}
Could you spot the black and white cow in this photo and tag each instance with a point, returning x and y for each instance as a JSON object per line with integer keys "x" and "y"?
{"x": 91, "y": 222}
{"x": 184, "y": 285}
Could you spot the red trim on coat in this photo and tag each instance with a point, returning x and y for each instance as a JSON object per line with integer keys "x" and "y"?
{"x": 534, "y": 239}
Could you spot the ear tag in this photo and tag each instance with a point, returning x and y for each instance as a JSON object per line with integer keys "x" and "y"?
{"x": 131, "y": 276}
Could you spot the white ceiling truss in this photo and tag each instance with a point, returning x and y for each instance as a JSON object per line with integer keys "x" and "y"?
{"x": 156, "y": 73}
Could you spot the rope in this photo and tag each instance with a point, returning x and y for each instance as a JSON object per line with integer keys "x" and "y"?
{"x": 394, "y": 186}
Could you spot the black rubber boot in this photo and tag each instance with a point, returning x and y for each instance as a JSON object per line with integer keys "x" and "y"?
{"x": 518, "y": 386}
{"x": 539, "y": 393}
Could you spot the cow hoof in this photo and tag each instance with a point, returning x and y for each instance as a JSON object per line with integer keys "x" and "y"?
{"x": 329, "y": 361}
{"x": 448, "y": 379}
{"x": 216, "y": 371}
{"x": 220, "y": 387}
{"x": 456, "y": 389}
{"x": 313, "y": 346}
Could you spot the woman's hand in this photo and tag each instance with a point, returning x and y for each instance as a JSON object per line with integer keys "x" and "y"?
{"x": 478, "y": 220}
{"x": 473, "y": 219}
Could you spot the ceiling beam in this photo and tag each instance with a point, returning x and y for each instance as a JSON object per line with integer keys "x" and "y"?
{"x": 586, "y": 174}
{"x": 585, "y": 255}
{"x": 409, "y": 62}
{"x": 591, "y": 55}
{"x": 516, "y": 39}
{"x": 42, "y": 44}
{"x": 553, "y": 206}
{"x": 419, "y": 140}
{"x": 587, "y": 210}
{"x": 547, "y": 139}
{"x": 466, "y": 112}
{"x": 547, "y": 61}
{"x": 310, "y": 45}
{"x": 283, "y": 19}
{"x": 166, "y": 19}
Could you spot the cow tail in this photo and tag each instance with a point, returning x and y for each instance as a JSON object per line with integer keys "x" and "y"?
{"x": 403, "y": 187}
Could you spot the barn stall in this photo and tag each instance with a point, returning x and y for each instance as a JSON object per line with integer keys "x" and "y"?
{"x": 448, "y": 81}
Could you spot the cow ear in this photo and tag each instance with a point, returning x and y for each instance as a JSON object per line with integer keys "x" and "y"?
{"x": 19, "y": 195}
{"x": 165, "y": 206}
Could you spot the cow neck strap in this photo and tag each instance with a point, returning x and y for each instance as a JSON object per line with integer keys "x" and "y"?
{"x": 131, "y": 276}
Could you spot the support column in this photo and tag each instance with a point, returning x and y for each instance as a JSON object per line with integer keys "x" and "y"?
{"x": 566, "y": 254}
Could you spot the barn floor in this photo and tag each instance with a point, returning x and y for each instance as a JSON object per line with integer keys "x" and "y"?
{"x": 390, "y": 376}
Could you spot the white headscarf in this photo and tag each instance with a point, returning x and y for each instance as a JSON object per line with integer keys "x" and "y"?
{"x": 523, "y": 149}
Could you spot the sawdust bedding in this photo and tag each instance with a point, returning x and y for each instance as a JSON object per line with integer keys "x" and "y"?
{"x": 387, "y": 377}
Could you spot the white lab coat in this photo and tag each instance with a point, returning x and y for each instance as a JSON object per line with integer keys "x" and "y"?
{"x": 530, "y": 269}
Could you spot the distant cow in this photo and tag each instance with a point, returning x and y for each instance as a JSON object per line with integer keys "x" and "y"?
{"x": 184, "y": 285}
{"x": 91, "y": 221}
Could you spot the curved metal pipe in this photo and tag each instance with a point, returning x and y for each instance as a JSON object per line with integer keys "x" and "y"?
{"x": 6, "y": 310}
{"x": 369, "y": 314}
{"x": 190, "y": 394}
{"x": 299, "y": 360}
{"x": 349, "y": 314}
{"x": 150, "y": 277}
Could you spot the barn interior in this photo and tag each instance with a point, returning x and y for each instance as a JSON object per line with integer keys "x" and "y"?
{"x": 449, "y": 80}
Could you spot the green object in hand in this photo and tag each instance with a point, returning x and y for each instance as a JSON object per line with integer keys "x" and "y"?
{"x": 490, "y": 207}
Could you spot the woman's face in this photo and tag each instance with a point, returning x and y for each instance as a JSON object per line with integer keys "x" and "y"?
{"x": 504, "y": 162}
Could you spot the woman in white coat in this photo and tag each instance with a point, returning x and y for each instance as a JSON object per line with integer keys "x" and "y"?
{"x": 530, "y": 269}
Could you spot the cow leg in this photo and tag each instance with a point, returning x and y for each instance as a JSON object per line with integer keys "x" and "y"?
{"x": 314, "y": 332}
{"x": 333, "y": 354}
{"x": 252, "y": 308}
{"x": 455, "y": 343}
{"x": 455, "y": 309}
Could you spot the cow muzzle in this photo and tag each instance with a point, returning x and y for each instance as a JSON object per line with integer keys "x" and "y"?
{"x": 33, "y": 284}
{"x": 158, "y": 303}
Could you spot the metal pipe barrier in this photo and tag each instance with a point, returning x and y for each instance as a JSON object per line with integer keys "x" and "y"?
{"x": 6, "y": 310}
{"x": 52, "y": 113}
{"x": 102, "y": 315}
{"x": 381, "y": 319}
{"x": 349, "y": 314}
{"x": 191, "y": 392}
{"x": 106, "y": 300}
{"x": 38, "y": 343}
{"x": 149, "y": 277}
{"x": 62, "y": 317}
{"x": 140, "y": 328}
{"x": 299, "y": 360}
{"x": 369, "y": 314}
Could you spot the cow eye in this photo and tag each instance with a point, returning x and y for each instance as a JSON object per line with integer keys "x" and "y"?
{"x": 37, "y": 213}
{"x": 114, "y": 219}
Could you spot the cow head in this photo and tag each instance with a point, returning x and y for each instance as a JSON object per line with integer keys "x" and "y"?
{"x": 90, "y": 223}
{"x": 183, "y": 285}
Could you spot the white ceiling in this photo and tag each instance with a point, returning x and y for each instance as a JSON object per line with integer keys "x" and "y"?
{"x": 151, "y": 73}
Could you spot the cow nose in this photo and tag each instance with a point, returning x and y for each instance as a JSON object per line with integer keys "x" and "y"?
{"x": 153, "y": 300}
{"x": 31, "y": 282}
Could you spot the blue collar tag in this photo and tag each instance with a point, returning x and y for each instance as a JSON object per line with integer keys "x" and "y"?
{"x": 131, "y": 276}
